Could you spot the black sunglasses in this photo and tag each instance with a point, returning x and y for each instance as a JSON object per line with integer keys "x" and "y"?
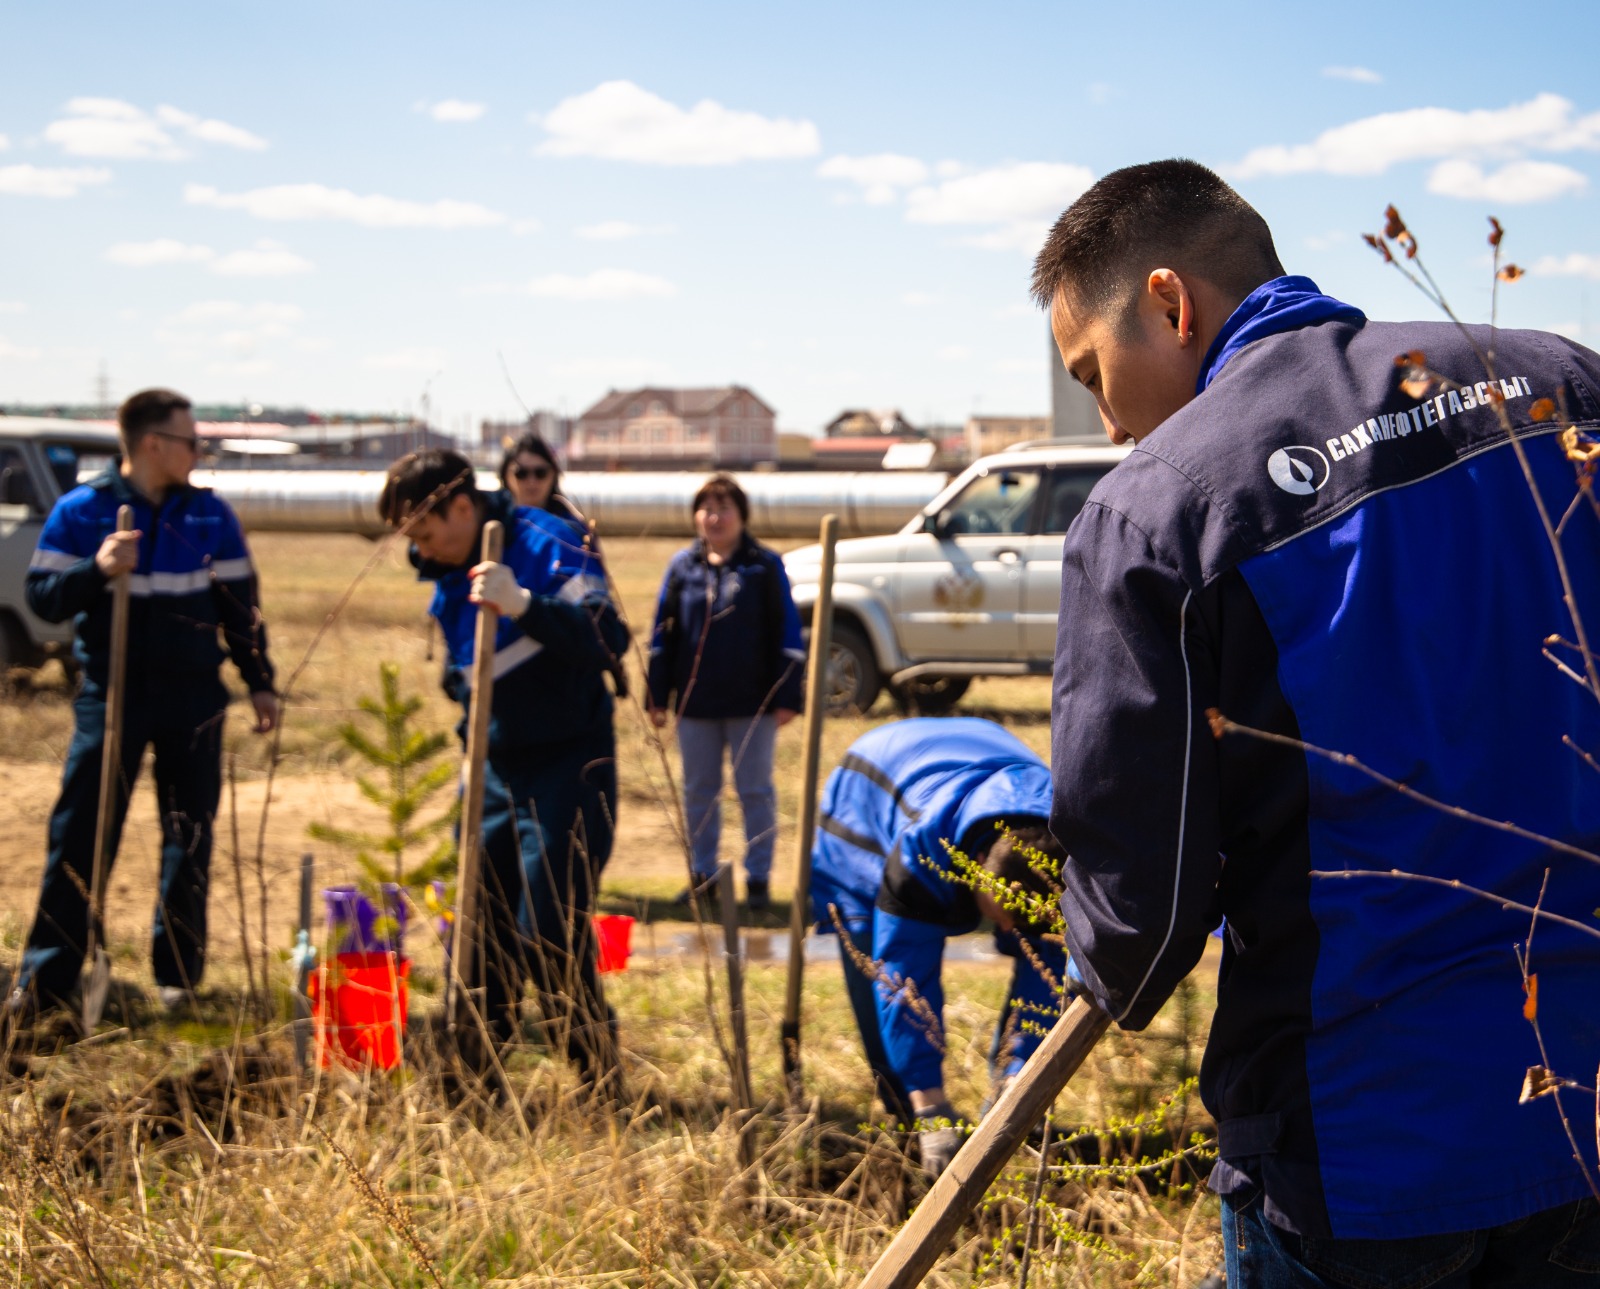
{"x": 539, "y": 472}
{"x": 196, "y": 445}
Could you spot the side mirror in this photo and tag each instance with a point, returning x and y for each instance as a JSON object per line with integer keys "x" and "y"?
{"x": 934, "y": 524}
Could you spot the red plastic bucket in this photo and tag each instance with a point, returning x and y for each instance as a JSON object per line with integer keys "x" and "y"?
{"x": 616, "y": 936}
{"x": 358, "y": 1009}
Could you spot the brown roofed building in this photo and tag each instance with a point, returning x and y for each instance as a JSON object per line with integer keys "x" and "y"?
{"x": 675, "y": 429}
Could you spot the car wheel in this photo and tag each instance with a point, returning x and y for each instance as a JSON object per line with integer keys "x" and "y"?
{"x": 853, "y": 681}
{"x": 930, "y": 695}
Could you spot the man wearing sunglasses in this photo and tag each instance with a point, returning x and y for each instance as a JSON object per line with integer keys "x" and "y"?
{"x": 192, "y": 592}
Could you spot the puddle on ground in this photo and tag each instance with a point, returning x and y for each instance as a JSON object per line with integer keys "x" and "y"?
{"x": 773, "y": 946}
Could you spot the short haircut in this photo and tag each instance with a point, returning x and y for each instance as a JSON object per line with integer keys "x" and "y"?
{"x": 1023, "y": 856}
{"x": 724, "y": 485}
{"x": 145, "y": 411}
{"x": 1164, "y": 214}
{"x": 536, "y": 446}
{"x": 423, "y": 481}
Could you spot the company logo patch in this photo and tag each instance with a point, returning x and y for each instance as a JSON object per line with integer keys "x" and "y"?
{"x": 1300, "y": 470}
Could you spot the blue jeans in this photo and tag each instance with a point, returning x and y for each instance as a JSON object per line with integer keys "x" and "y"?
{"x": 183, "y": 723}
{"x": 749, "y": 741}
{"x": 548, "y": 818}
{"x": 1556, "y": 1249}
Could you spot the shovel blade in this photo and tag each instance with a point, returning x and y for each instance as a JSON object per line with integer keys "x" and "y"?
{"x": 96, "y": 989}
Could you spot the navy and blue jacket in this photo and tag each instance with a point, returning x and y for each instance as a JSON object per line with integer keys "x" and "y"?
{"x": 901, "y": 797}
{"x": 194, "y": 578}
{"x": 1326, "y": 555}
{"x": 727, "y": 636}
{"x": 549, "y": 663}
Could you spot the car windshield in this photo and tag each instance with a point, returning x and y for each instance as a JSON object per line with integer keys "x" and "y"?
{"x": 997, "y": 501}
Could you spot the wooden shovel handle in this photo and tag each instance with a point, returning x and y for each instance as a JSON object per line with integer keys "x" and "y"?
{"x": 912, "y": 1253}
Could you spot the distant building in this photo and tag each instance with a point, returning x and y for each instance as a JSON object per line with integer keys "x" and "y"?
{"x": 352, "y": 445}
{"x": 877, "y": 438}
{"x": 856, "y": 423}
{"x": 675, "y": 429}
{"x": 1073, "y": 411}
{"x": 556, "y": 430}
{"x": 986, "y": 434}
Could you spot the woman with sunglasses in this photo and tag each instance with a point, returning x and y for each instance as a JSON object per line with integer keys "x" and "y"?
{"x": 530, "y": 475}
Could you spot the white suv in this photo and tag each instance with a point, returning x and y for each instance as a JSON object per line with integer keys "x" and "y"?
{"x": 970, "y": 587}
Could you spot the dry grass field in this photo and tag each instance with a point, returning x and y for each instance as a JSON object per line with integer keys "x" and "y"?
{"x": 190, "y": 1152}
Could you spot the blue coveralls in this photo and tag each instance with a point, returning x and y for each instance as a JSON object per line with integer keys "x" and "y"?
{"x": 194, "y": 577}
{"x": 550, "y": 783}
{"x": 901, "y": 796}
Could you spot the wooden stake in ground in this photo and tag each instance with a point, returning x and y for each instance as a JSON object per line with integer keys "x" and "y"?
{"x": 799, "y": 909}
{"x": 1025, "y": 1101}
{"x": 466, "y": 949}
{"x": 98, "y": 985}
{"x": 742, "y": 1095}
{"x": 304, "y": 955}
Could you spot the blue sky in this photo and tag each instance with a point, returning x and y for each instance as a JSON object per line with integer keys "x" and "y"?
{"x": 356, "y": 205}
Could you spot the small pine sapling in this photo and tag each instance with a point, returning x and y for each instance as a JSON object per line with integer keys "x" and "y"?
{"x": 412, "y": 777}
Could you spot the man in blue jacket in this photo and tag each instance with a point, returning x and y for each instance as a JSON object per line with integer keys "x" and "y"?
{"x": 550, "y": 799}
{"x": 1326, "y": 534}
{"x": 191, "y": 578}
{"x": 903, "y": 797}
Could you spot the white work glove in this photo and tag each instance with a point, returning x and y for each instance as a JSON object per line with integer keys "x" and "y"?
{"x": 496, "y": 586}
{"x": 938, "y": 1145}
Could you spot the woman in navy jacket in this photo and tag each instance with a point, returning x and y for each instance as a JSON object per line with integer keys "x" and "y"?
{"x": 725, "y": 658}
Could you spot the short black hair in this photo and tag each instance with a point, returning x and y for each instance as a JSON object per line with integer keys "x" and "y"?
{"x": 422, "y": 481}
{"x": 1026, "y": 856}
{"x": 1163, "y": 214}
{"x": 142, "y": 412}
{"x": 724, "y": 485}
{"x": 534, "y": 444}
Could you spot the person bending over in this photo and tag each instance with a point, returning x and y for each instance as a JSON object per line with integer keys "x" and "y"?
{"x": 899, "y": 800}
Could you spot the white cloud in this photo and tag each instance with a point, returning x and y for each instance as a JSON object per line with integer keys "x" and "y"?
{"x": 209, "y": 130}
{"x": 918, "y": 299}
{"x": 164, "y": 250}
{"x": 455, "y": 110}
{"x": 420, "y": 358}
{"x": 1361, "y": 75}
{"x": 1371, "y": 145}
{"x": 1020, "y": 191}
{"x": 264, "y": 259}
{"x": 611, "y": 230}
{"x": 1577, "y": 264}
{"x": 1516, "y": 183}
{"x": 620, "y": 121}
{"x": 880, "y": 176}
{"x": 525, "y": 227}
{"x": 12, "y": 306}
{"x": 602, "y": 284}
{"x": 5, "y": 143}
{"x": 318, "y": 201}
{"x": 108, "y": 127}
{"x": 1327, "y": 241}
{"x": 1020, "y": 366}
{"x": 45, "y": 181}
{"x": 1019, "y": 200}
{"x": 954, "y": 354}
{"x": 21, "y": 352}
{"x": 235, "y": 311}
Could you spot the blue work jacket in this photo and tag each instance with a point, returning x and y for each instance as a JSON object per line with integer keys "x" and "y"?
{"x": 549, "y": 664}
{"x": 194, "y": 580}
{"x": 1320, "y": 549}
{"x": 900, "y": 799}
